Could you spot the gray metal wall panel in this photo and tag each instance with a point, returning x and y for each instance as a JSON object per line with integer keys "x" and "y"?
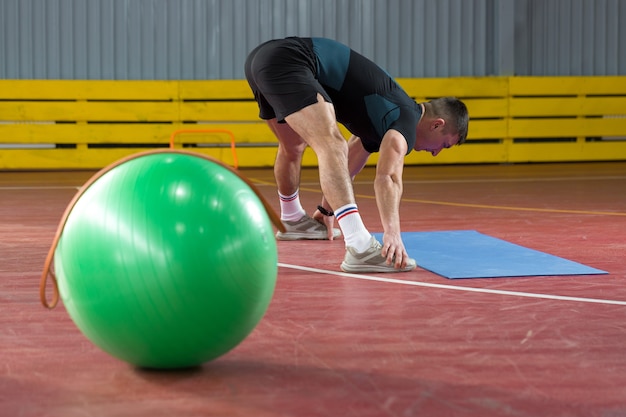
{"x": 570, "y": 37}
{"x": 209, "y": 39}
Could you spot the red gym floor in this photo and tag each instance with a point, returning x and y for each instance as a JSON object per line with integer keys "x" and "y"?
{"x": 331, "y": 344}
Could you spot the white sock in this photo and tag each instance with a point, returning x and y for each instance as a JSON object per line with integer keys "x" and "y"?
{"x": 290, "y": 207}
{"x": 354, "y": 232}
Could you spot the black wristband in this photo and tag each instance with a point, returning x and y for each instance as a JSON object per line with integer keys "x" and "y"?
{"x": 325, "y": 212}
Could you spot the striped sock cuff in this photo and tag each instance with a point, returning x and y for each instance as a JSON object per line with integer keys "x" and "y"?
{"x": 288, "y": 198}
{"x": 345, "y": 211}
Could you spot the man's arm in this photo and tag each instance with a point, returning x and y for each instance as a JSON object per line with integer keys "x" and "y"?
{"x": 388, "y": 189}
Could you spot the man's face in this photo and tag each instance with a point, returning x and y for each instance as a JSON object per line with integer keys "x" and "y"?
{"x": 434, "y": 140}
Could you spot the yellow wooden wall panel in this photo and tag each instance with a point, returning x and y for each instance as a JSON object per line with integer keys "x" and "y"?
{"x": 545, "y": 106}
{"x": 94, "y": 111}
{"x": 215, "y": 89}
{"x": 255, "y": 157}
{"x": 602, "y": 85}
{"x": 487, "y": 129}
{"x": 542, "y": 128}
{"x": 466, "y": 153}
{"x": 604, "y": 150}
{"x": 606, "y": 85}
{"x": 555, "y": 128}
{"x": 570, "y": 151}
{"x": 545, "y": 152}
{"x": 88, "y": 89}
{"x": 86, "y": 133}
{"x": 246, "y": 111}
{"x": 62, "y": 158}
{"x": 244, "y": 133}
{"x": 543, "y": 86}
{"x": 131, "y": 133}
{"x": 593, "y": 106}
{"x": 500, "y": 108}
{"x": 546, "y": 86}
{"x": 487, "y": 107}
{"x": 226, "y": 156}
{"x": 604, "y": 126}
{"x": 460, "y": 87}
{"x": 264, "y": 157}
{"x": 83, "y": 158}
{"x": 567, "y": 106}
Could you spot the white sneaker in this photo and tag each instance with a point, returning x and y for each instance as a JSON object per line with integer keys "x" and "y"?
{"x": 307, "y": 228}
{"x": 371, "y": 260}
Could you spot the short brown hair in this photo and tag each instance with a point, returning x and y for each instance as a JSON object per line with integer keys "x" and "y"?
{"x": 454, "y": 112}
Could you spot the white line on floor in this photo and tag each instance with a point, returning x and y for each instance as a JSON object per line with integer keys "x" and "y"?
{"x": 453, "y": 287}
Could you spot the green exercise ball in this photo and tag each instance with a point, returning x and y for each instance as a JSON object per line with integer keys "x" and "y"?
{"x": 167, "y": 260}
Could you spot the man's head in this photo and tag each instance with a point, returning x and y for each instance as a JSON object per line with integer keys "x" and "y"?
{"x": 443, "y": 125}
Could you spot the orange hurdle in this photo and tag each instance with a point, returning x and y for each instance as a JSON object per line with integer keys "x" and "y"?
{"x": 224, "y": 131}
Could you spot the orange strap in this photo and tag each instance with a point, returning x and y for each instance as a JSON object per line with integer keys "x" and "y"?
{"x": 48, "y": 270}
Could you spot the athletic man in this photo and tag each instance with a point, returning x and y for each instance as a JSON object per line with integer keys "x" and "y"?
{"x": 304, "y": 86}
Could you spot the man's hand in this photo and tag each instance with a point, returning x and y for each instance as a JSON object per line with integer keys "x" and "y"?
{"x": 394, "y": 250}
{"x": 328, "y": 221}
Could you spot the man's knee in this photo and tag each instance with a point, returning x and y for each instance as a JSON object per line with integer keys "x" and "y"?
{"x": 333, "y": 146}
{"x": 293, "y": 150}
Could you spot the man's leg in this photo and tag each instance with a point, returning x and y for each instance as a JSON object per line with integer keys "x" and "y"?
{"x": 287, "y": 167}
{"x": 316, "y": 125}
{"x": 288, "y": 162}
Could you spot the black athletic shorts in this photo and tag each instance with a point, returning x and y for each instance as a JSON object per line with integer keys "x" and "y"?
{"x": 281, "y": 74}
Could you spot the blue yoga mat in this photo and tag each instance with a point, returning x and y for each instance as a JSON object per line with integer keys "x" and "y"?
{"x": 470, "y": 254}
